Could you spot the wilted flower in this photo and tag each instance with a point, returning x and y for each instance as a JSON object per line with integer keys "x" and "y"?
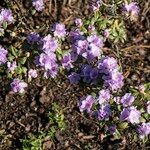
{"x": 106, "y": 33}
{"x": 78, "y": 22}
{"x": 141, "y": 88}
{"x": 112, "y": 129}
{"x": 127, "y": 99}
{"x": 18, "y": 85}
{"x": 91, "y": 28}
{"x": 132, "y": 8}
{"x": 130, "y": 114}
{"x": 86, "y": 103}
{"x": 74, "y": 78}
{"x": 3, "y": 55}
{"x": 49, "y": 44}
{"x": 117, "y": 99}
{"x": 148, "y": 107}
{"x": 59, "y": 30}
{"x": 104, "y": 96}
{"x": 95, "y": 5}
{"x": 144, "y": 129}
{"x": 11, "y": 66}
{"x": 6, "y": 16}
{"x": 32, "y": 73}
{"x": 38, "y": 4}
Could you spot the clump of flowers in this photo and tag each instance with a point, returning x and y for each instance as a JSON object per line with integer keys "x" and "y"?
{"x": 3, "y": 55}
{"x": 38, "y": 4}
{"x": 131, "y": 114}
{"x": 112, "y": 77}
{"x": 18, "y": 86}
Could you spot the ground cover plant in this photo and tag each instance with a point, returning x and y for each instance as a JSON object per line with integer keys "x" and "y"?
{"x": 74, "y": 81}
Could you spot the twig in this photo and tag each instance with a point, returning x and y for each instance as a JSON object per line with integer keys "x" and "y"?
{"x": 134, "y": 46}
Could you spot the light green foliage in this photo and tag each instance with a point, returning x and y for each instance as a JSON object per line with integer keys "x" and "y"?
{"x": 33, "y": 143}
{"x": 56, "y": 119}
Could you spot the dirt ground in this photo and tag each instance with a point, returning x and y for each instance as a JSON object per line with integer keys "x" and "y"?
{"x": 20, "y": 116}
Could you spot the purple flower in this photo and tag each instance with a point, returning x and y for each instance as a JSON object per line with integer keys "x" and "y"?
{"x": 38, "y": 4}
{"x": 93, "y": 51}
{"x": 127, "y": 99}
{"x": 94, "y": 73}
{"x": 74, "y": 78}
{"x": 132, "y": 8}
{"x": 130, "y": 114}
{"x": 33, "y": 37}
{"x": 11, "y": 66}
{"x": 81, "y": 46}
{"x": 3, "y": 55}
{"x": 144, "y": 129}
{"x": 49, "y": 44}
{"x": 52, "y": 72}
{"x": 32, "y": 73}
{"x": 78, "y": 22}
{"x": 107, "y": 64}
{"x": 86, "y": 103}
{"x": 104, "y": 112}
{"x": 18, "y": 86}
{"x": 86, "y": 69}
{"x": 104, "y": 96}
{"x": 59, "y": 30}
{"x": 76, "y": 35}
{"x": 6, "y": 16}
{"x": 47, "y": 61}
{"x": 114, "y": 80}
{"x": 67, "y": 61}
{"x": 112, "y": 129}
{"x": 96, "y": 40}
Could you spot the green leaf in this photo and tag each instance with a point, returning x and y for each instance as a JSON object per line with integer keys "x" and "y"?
{"x": 5, "y": 24}
{"x": 123, "y": 125}
{"x": 14, "y": 51}
{"x": 22, "y": 60}
{"x": 24, "y": 70}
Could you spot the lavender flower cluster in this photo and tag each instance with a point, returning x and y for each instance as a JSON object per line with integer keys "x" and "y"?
{"x": 38, "y": 4}
{"x": 6, "y": 16}
{"x": 129, "y": 112}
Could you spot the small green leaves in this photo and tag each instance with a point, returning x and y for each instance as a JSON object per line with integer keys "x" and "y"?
{"x": 123, "y": 125}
